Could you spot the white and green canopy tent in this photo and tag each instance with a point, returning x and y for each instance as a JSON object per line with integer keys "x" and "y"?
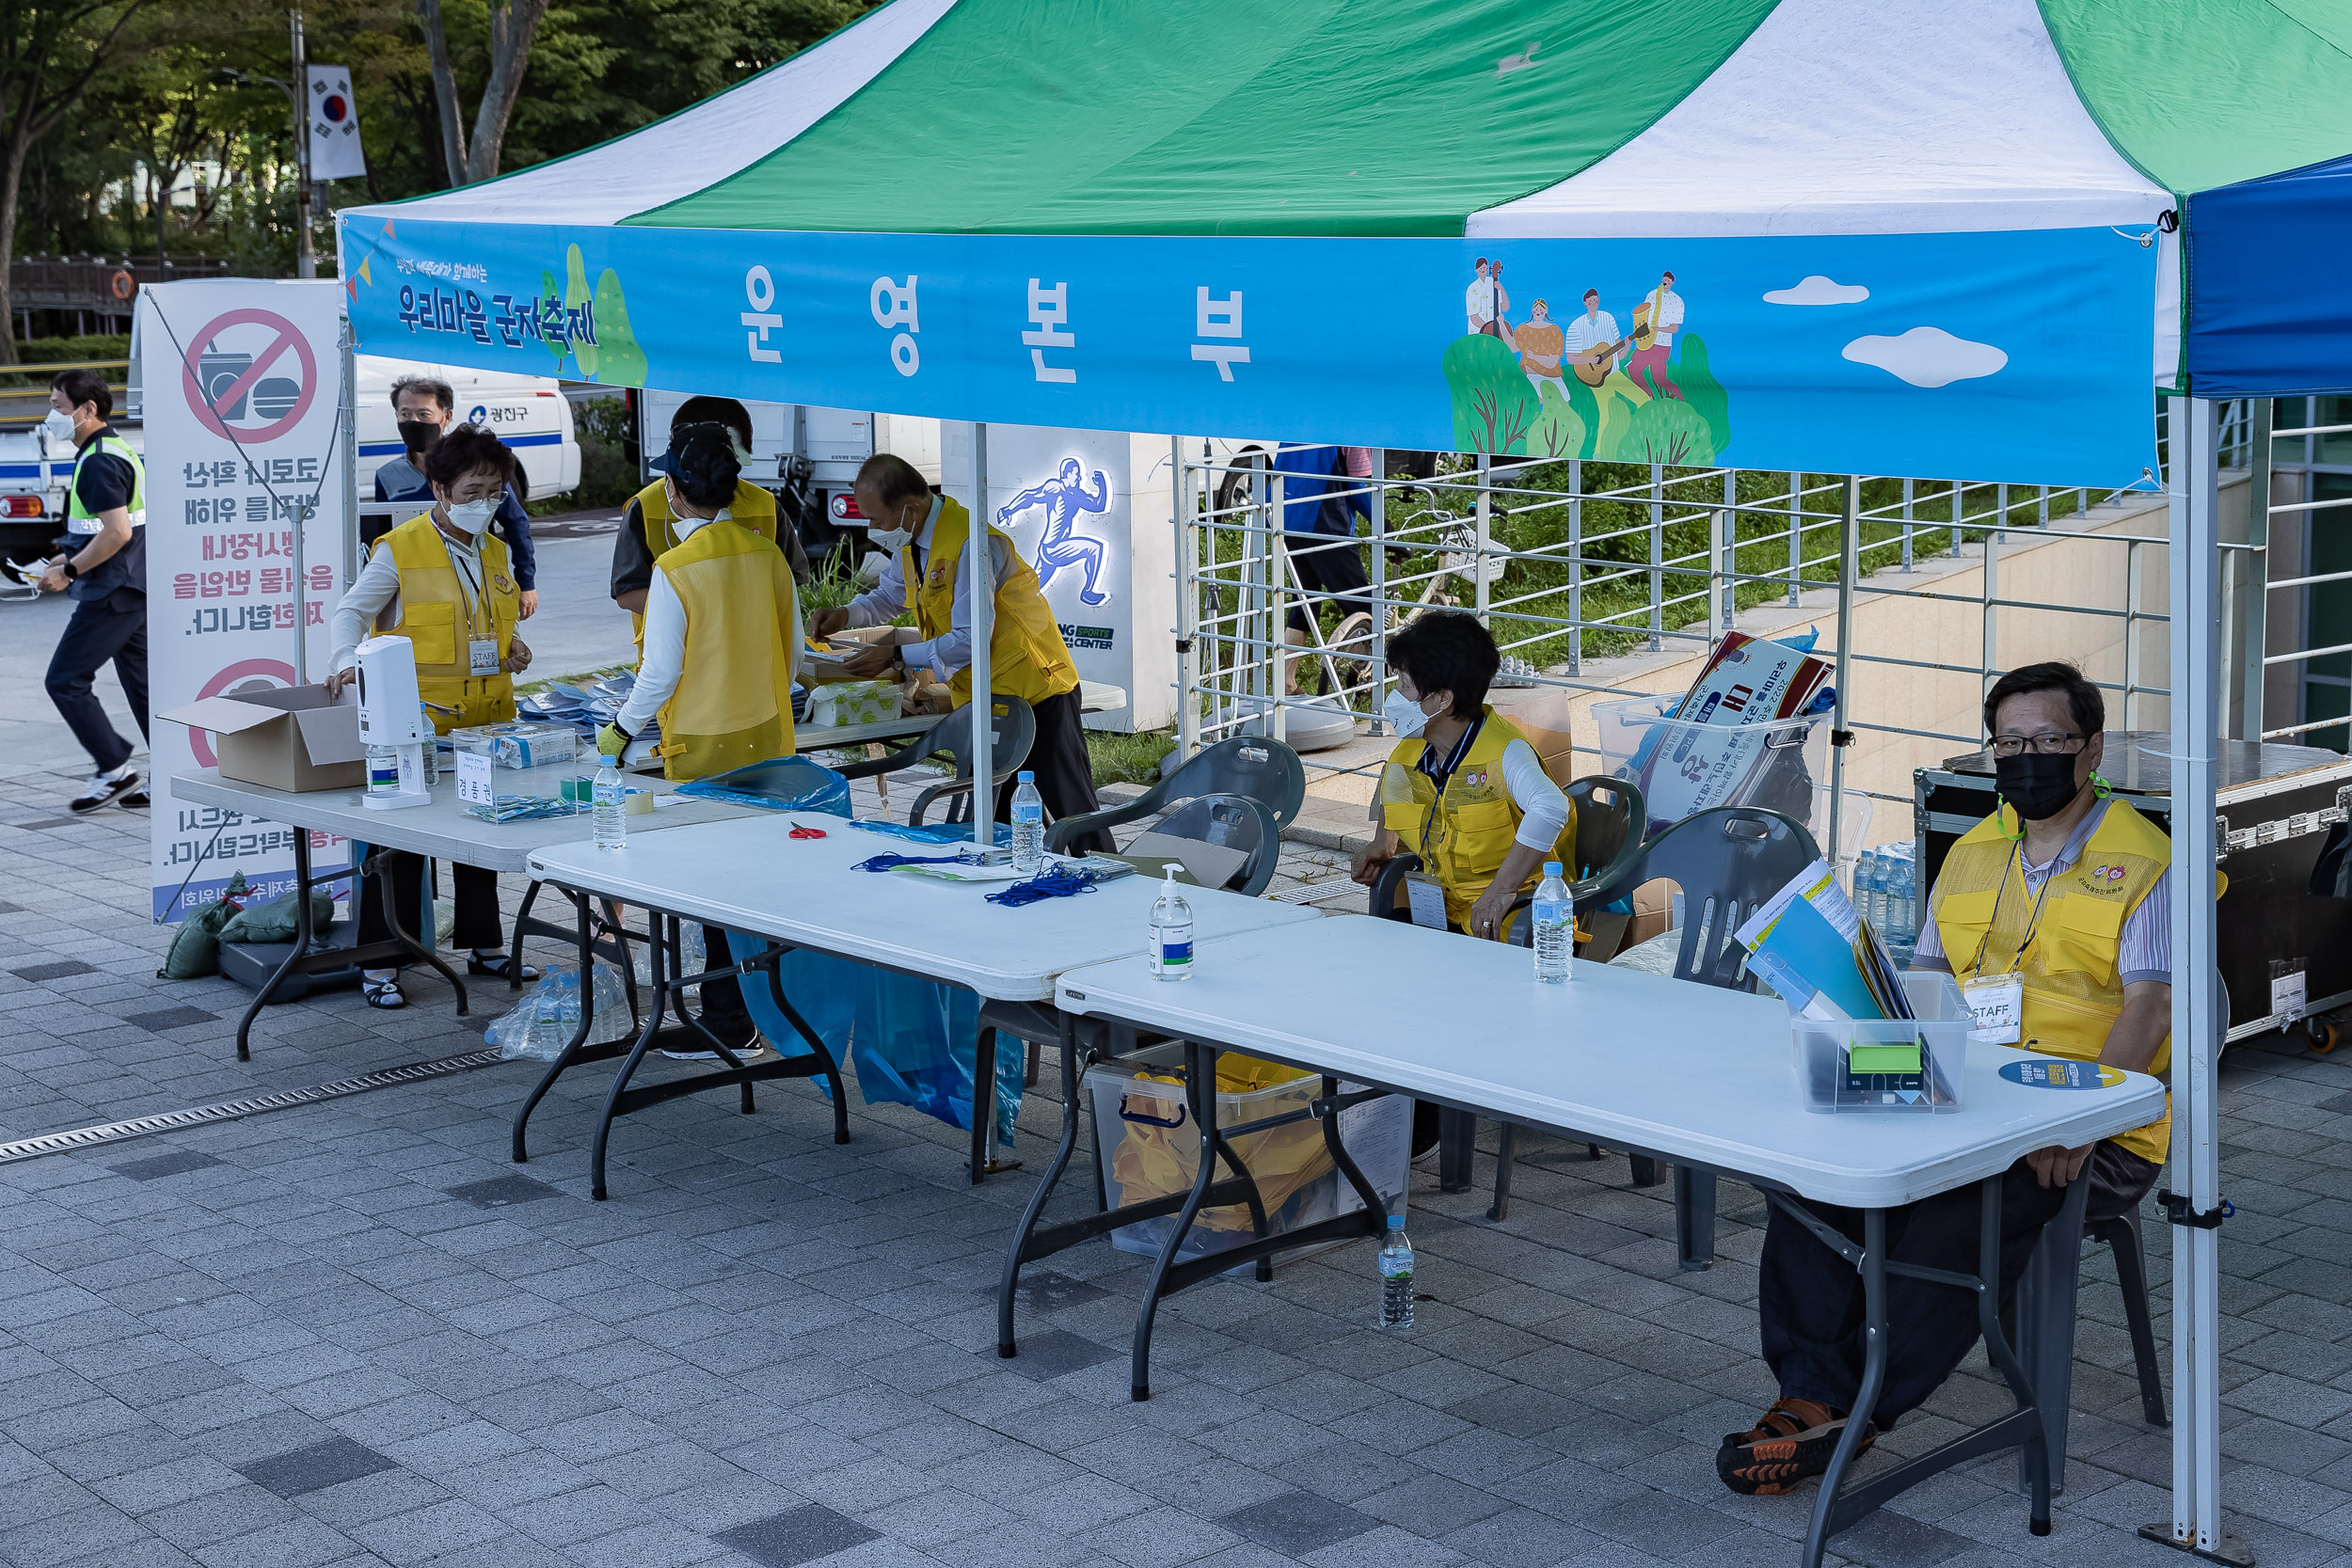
{"x": 1904, "y": 237}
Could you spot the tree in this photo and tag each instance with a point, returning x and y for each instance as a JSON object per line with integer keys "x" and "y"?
{"x": 1668, "y": 431}
{"x": 50, "y": 52}
{"x": 1494, "y": 406}
{"x": 513, "y": 24}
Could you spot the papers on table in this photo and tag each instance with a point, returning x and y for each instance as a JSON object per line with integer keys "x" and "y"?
{"x": 1809, "y": 943}
{"x": 587, "y": 706}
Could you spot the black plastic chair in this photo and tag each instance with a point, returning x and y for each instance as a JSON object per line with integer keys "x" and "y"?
{"x": 1235, "y": 822}
{"x": 1265, "y": 770}
{"x": 1728, "y": 862}
{"x": 1012, "y": 729}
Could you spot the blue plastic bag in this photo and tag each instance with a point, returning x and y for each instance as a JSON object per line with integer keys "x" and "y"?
{"x": 781, "y": 783}
{"x": 910, "y": 1042}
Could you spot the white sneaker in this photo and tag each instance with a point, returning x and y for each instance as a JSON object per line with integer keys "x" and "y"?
{"x": 105, "y": 789}
{"x": 688, "y": 1053}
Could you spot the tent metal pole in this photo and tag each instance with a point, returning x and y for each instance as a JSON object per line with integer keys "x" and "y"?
{"x": 2192, "y": 483}
{"x": 1187, "y": 552}
{"x": 1848, "y": 569}
{"x": 2254, "y": 625}
{"x": 1376, "y": 635}
{"x": 979, "y": 557}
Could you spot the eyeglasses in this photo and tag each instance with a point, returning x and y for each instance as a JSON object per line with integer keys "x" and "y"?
{"x": 2049, "y": 745}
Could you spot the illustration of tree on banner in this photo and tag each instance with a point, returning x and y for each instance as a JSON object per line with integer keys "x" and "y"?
{"x": 1668, "y": 431}
{"x": 1494, "y": 407}
{"x": 1558, "y": 430}
{"x": 1701, "y": 390}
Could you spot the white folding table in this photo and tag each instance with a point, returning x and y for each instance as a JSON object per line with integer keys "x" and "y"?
{"x": 755, "y": 876}
{"x": 438, "y": 830}
{"x": 1693, "y": 1074}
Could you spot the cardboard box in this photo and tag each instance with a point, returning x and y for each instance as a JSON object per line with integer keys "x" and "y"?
{"x": 293, "y": 737}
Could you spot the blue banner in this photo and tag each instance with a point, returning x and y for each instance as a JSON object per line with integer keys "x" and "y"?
{"x": 2022, "y": 356}
{"x": 2267, "y": 310}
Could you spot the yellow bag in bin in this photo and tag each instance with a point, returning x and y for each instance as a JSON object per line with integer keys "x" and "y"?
{"x": 1152, "y": 1160}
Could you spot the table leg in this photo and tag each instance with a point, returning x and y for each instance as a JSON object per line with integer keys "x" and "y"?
{"x": 301, "y": 944}
{"x": 657, "y": 971}
{"x": 1008, "y": 1288}
{"x": 515, "y": 945}
{"x": 832, "y": 1064}
{"x": 1200, "y": 1067}
{"x": 983, "y": 1098}
{"x": 571, "y": 1054}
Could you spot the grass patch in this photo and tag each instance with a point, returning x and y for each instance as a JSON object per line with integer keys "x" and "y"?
{"x": 1128, "y": 758}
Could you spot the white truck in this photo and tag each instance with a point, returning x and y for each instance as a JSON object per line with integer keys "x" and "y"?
{"x": 34, "y": 468}
{"x": 529, "y": 414}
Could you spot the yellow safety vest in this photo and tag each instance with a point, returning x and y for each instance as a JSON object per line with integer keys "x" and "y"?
{"x": 733, "y": 705}
{"x": 1026, "y": 657}
{"x": 753, "y": 507}
{"x": 1462, "y": 835}
{"x": 437, "y": 617}
{"x": 2072, "y": 994}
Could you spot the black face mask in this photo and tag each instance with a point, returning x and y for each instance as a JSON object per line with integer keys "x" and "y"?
{"x": 419, "y": 434}
{"x": 2037, "y": 785}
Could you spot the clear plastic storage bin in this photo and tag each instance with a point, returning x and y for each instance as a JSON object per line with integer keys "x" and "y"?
{"x": 518, "y": 743}
{"x": 1683, "y": 768}
{"x": 1146, "y": 1146}
{"x": 1824, "y": 1048}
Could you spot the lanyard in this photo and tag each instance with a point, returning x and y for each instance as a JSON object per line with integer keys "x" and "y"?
{"x": 2033, "y": 917}
{"x": 1443, "y": 774}
{"x": 469, "y": 570}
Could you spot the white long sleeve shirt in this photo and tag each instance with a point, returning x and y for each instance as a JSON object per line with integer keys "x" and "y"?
{"x": 664, "y": 661}
{"x": 952, "y": 650}
{"x": 378, "y": 587}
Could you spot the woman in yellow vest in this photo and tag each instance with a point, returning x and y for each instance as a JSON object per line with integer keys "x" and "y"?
{"x": 648, "y": 528}
{"x": 722, "y": 633}
{"x": 2054, "y": 913}
{"x": 443, "y": 580}
{"x": 924, "y": 535}
{"x": 1463, "y": 789}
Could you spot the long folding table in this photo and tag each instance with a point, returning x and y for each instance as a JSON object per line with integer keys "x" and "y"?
{"x": 438, "y": 830}
{"x": 807, "y": 894}
{"x": 1686, "y": 1073}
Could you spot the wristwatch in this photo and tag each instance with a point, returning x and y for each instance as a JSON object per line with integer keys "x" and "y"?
{"x": 71, "y": 571}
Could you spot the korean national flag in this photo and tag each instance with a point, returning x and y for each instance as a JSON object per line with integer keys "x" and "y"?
{"x": 334, "y": 126}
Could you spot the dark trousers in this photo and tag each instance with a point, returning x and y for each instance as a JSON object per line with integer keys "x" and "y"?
{"x": 473, "y": 894}
{"x": 1809, "y": 1300}
{"x": 1065, "y": 773}
{"x": 114, "y": 628}
{"x": 1326, "y": 563}
{"x": 723, "y": 1013}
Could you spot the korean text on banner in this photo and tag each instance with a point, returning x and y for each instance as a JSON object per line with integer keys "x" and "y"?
{"x": 243, "y": 418}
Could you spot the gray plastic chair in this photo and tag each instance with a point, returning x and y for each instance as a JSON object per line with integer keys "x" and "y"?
{"x": 1728, "y": 862}
{"x": 1235, "y": 822}
{"x": 1265, "y": 770}
{"x": 1012, "y": 729}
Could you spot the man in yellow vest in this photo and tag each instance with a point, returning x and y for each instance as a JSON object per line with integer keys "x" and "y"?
{"x": 647, "y": 528}
{"x": 444, "y": 581}
{"x": 721, "y": 636}
{"x": 924, "y": 534}
{"x": 2054, "y": 913}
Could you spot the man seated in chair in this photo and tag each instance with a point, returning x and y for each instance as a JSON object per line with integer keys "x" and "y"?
{"x": 2054, "y": 913}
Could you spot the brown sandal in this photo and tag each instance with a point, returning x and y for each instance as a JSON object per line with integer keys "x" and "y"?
{"x": 1792, "y": 1442}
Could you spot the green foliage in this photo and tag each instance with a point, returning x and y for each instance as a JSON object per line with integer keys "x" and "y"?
{"x": 1559, "y": 431}
{"x": 1128, "y": 758}
{"x": 1701, "y": 390}
{"x": 66, "y": 351}
{"x": 1668, "y": 431}
{"x": 1494, "y": 406}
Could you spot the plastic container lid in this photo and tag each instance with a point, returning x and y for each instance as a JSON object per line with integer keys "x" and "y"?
{"x": 1027, "y": 777}
{"x": 1551, "y": 868}
{"x": 1396, "y": 1222}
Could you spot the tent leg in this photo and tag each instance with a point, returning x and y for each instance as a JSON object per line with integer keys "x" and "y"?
{"x": 2192, "y": 483}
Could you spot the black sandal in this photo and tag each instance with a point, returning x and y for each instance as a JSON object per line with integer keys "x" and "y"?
{"x": 384, "y": 995}
{"x": 500, "y": 968}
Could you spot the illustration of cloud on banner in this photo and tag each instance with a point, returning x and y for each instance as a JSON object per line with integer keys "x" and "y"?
{"x": 1928, "y": 356}
{"x": 1816, "y": 290}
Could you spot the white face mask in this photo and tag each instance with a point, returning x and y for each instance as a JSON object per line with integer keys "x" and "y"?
{"x": 60, "y": 426}
{"x": 891, "y": 539}
{"x": 473, "y": 517}
{"x": 1403, "y": 715}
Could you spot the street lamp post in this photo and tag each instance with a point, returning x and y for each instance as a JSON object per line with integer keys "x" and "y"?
{"x": 306, "y": 257}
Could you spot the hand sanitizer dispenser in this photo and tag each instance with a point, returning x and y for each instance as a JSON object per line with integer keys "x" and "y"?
{"x": 391, "y": 724}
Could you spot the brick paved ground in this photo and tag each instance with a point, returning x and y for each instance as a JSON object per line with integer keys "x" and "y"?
{"x": 352, "y": 1333}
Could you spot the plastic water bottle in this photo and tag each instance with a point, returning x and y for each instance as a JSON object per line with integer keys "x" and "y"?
{"x": 1900, "y": 907}
{"x": 1555, "y": 928}
{"x": 1396, "y": 1277}
{"x": 383, "y": 770}
{"x": 1867, "y": 888}
{"x": 1172, "y": 930}
{"x": 611, "y": 809}
{"x": 1028, "y": 826}
{"x": 432, "y": 746}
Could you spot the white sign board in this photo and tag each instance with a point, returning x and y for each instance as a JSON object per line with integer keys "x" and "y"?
{"x": 1089, "y": 510}
{"x": 335, "y": 152}
{"x": 244, "y": 409}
